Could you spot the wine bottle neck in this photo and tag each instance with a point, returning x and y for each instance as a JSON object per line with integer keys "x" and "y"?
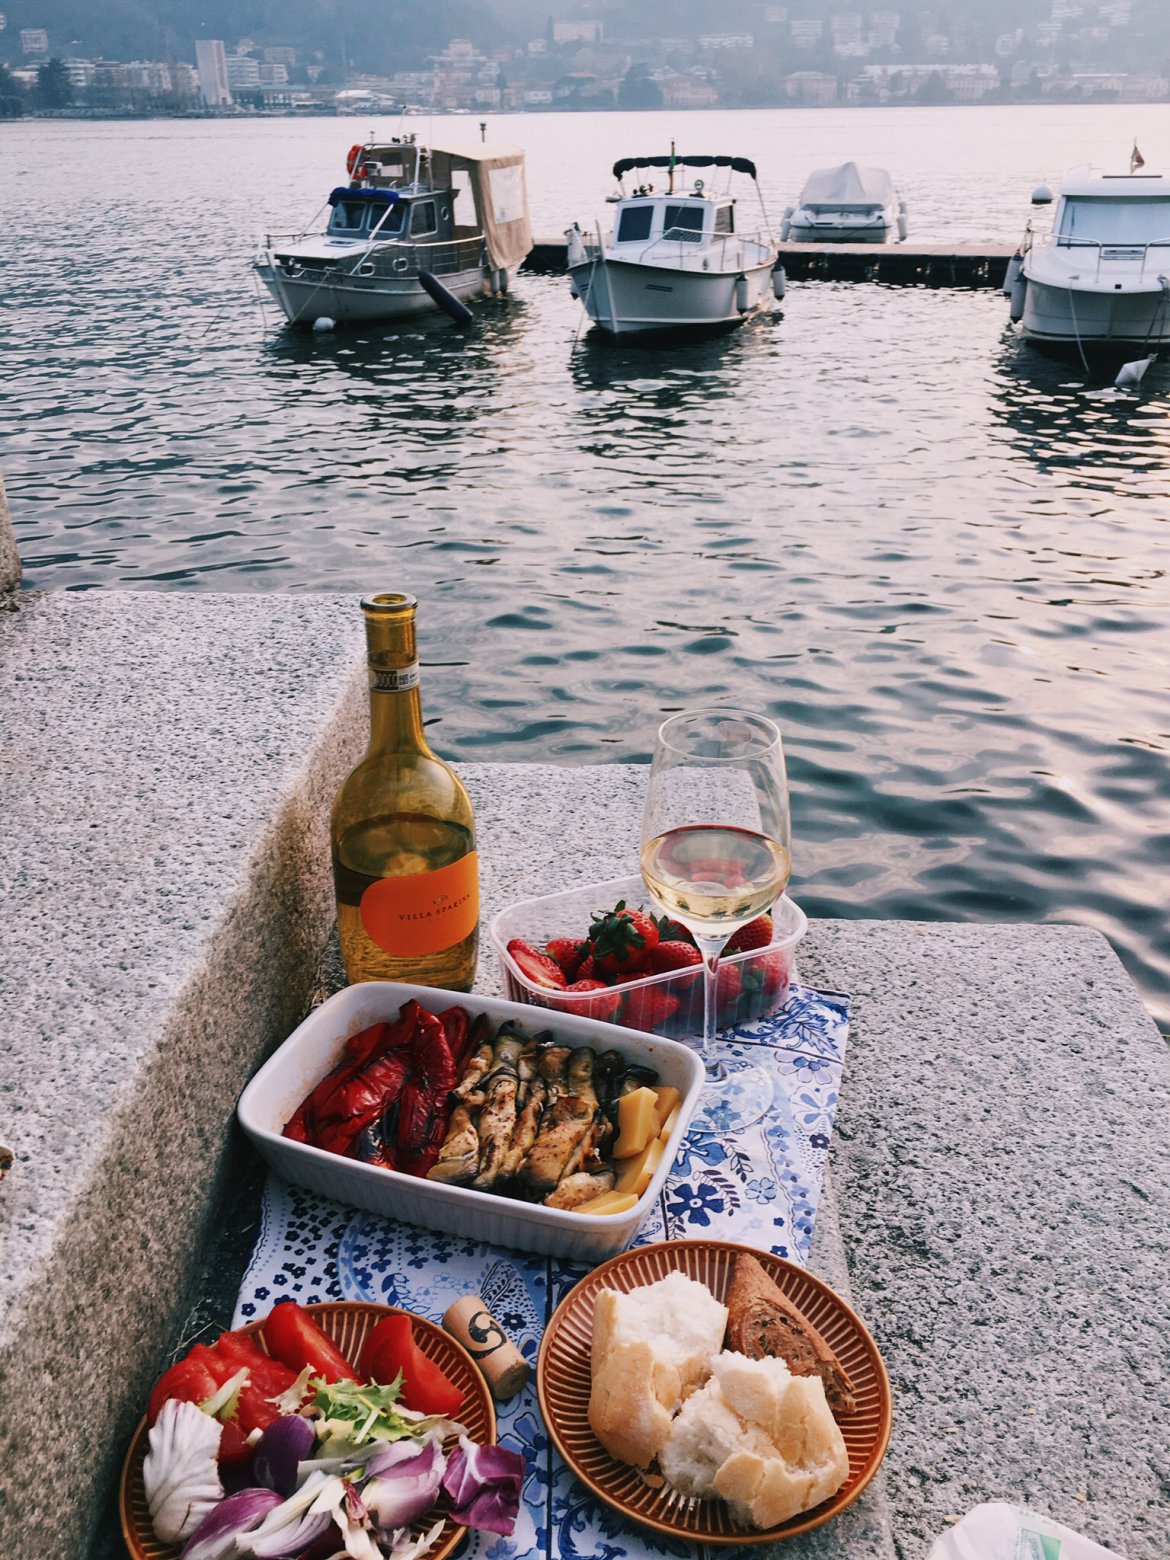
{"x": 395, "y": 707}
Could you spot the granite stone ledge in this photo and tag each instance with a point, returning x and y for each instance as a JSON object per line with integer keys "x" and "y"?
{"x": 167, "y": 764}
{"x": 9, "y": 557}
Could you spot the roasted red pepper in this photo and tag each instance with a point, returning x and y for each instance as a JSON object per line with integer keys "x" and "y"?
{"x": 425, "y": 1105}
{"x": 360, "y": 1050}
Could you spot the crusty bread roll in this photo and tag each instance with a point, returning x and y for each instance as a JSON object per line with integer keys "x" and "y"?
{"x": 759, "y": 1437}
{"x": 651, "y": 1348}
{"x": 762, "y": 1321}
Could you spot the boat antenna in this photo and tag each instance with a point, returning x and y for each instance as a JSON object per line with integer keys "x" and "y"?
{"x": 670, "y": 169}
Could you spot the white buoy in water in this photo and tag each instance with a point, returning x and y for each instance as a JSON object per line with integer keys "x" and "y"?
{"x": 1129, "y": 375}
{"x": 324, "y": 323}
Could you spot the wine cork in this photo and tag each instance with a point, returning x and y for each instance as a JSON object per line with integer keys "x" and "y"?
{"x": 500, "y": 1362}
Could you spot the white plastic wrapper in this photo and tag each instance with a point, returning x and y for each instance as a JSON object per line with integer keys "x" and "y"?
{"x": 998, "y": 1531}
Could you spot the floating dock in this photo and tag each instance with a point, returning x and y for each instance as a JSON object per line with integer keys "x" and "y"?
{"x": 907, "y": 265}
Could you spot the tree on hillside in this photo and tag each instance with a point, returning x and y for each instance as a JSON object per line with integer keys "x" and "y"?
{"x": 638, "y": 91}
{"x": 54, "y": 88}
{"x": 11, "y": 97}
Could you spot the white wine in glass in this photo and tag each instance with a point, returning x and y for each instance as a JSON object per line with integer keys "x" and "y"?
{"x": 716, "y": 831}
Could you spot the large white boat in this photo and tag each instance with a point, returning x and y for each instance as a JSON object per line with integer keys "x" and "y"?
{"x": 676, "y": 259}
{"x": 417, "y": 228}
{"x": 1100, "y": 279}
{"x": 846, "y": 205}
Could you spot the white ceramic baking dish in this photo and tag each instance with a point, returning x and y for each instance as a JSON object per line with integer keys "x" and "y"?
{"x": 315, "y": 1048}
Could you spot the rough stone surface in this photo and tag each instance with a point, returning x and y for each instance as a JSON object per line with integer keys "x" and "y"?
{"x": 999, "y": 1202}
{"x": 166, "y": 767}
{"x": 9, "y": 557}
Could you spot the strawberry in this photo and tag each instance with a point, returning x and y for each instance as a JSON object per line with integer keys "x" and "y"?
{"x": 622, "y": 940}
{"x": 728, "y": 983}
{"x": 587, "y": 969}
{"x": 670, "y": 930}
{"x": 568, "y": 952}
{"x": 649, "y": 1007}
{"x": 674, "y": 955}
{"x": 603, "y": 1008}
{"x": 536, "y": 966}
{"x": 775, "y": 971}
{"x": 756, "y": 934}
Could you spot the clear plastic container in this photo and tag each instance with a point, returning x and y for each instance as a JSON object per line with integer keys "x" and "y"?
{"x": 669, "y": 1004}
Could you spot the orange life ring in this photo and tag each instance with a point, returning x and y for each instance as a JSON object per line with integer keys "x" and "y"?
{"x": 352, "y": 158}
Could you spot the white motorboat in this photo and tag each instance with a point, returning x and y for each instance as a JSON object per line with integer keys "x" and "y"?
{"x": 675, "y": 259}
{"x": 417, "y": 228}
{"x": 846, "y": 205}
{"x": 1099, "y": 279}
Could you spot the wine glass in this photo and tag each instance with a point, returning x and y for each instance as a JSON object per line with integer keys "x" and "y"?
{"x": 716, "y": 833}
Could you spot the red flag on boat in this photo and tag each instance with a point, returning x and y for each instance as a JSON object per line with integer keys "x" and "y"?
{"x": 1136, "y": 160}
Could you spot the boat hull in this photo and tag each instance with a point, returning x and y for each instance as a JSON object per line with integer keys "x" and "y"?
{"x": 830, "y": 233}
{"x": 1068, "y": 317}
{"x": 303, "y": 301}
{"x": 625, "y": 298}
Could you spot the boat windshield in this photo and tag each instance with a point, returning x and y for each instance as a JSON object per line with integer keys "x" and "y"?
{"x": 1108, "y": 220}
{"x": 684, "y": 223}
{"x": 352, "y": 218}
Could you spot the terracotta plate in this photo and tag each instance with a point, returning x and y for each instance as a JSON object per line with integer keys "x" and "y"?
{"x": 347, "y": 1323}
{"x": 563, "y": 1382}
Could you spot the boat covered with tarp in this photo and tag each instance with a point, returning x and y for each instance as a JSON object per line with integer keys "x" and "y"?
{"x": 850, "y": 204}
{"x": 417, "y": 228}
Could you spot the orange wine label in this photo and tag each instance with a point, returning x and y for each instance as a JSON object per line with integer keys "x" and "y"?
{"x": 425, "y": 912}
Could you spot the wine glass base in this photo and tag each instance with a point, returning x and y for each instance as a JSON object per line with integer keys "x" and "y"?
{"x": 736, "y": 1094}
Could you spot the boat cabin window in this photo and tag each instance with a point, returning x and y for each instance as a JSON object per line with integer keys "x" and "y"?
{"x": 354, "y": 217}
{"x": 725, "y": 219}
{"x": 634, "y": 224}
{"x": 684, "y": 223}
{"x": 422, "y": 218}
{"x": 1109, "y": 220}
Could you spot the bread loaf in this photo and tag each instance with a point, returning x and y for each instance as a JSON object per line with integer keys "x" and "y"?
{"x": 760, "y": 1438}
{"x": 762, "y": 1322}
{"x": 651, "y": 1348}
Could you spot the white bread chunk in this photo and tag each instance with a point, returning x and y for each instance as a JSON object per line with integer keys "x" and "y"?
{"x": 762, "y": 1439}
{"x": 651, "y": 1348}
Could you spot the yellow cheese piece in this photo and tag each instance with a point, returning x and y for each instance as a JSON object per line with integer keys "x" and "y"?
{"x": 670, "y": 1123}
{"x": 668, "y": 1099}
{"x": 610, "y": 1202}
{"x": 654, "y": 1152}
{"x": 637, "y": 1122}
{"x": 630, "y": 1170}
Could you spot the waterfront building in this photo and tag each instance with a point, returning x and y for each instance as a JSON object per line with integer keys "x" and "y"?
{"x": 272, "y": 73}
{"x": 693, "y": 88}
{"x": 3, "y": 21}
{"x": 242, "y": 72}
{"x": 211, "y": 63}
{"x": 813, "y": 88}
{"x": 81, "y": 74}
{"x": 280, "y": 56}
{"x": 34, "y": 41}
{"x": 538, "y": 97}
{"x": 883, "y": 29}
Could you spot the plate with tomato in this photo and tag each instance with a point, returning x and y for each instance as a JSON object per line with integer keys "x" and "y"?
{"x": 337, "y": 1340}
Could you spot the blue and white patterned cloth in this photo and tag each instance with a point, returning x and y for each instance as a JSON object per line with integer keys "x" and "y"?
{"x": 750, "y": 1170}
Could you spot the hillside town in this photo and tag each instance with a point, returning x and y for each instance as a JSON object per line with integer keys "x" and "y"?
{"x": 869, "y": 58}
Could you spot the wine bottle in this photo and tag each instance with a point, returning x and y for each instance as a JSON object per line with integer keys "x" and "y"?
{"x": 404, "y": 863}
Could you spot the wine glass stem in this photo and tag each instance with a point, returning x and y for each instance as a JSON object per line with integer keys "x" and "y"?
{"x": 710, "y": 948}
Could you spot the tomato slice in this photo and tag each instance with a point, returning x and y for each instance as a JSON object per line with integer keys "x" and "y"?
{"x": 295, "y": 1339}
{"x": 193, "y": 1379}
{"x": 391, "y": 1348}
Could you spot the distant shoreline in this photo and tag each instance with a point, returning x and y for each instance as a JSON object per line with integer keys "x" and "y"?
{"x": 380, "y": 112}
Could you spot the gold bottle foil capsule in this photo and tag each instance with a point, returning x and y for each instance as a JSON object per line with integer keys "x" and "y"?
{"x": 502, "y": 1365}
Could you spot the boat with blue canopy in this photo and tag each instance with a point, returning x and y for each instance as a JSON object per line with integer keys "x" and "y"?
{"x": 417, "y": 228}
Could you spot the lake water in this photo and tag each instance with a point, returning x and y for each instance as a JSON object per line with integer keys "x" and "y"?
{"x": 936, "y": 557}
